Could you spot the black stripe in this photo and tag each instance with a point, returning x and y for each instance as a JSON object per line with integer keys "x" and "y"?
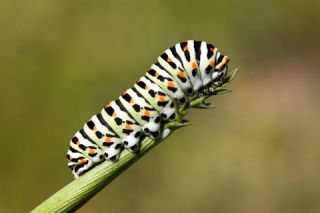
{"x": 73, "y": 150}
{"x": 209, "y": 53}
{"x": 162, "y": 68}
{"x": 140, "y": 95}
{"x": 197, "y": 49}
{"x": 220, "y": 59}
{"x": 84, "y": 135}
{"x": 186, "y": 53}
{"x": 176, "y": 55}
{"x": 122, "y": 108}
{"x": 104, "y": 122}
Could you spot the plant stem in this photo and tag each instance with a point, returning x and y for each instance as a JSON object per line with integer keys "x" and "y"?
{"x": 78, "y": 192}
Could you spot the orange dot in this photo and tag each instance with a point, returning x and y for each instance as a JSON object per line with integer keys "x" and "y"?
{"x": 169, "y": 60}
{"x": 114, "y": 114}
{"x": 162, "y": 98}
{"x": 91, "y": 151}
{"x": 128, "y": 126}
{"x": 82, "y": 161}
{"x": 186, "y": 48}
{"x": 181, "y": 74}
{"x": 171, "y": 84}
{"x": 211, "y": 63}
{"x": 146, "y": 113}
{"x": 194, "y": 65}
{"x": 107, "y": 139}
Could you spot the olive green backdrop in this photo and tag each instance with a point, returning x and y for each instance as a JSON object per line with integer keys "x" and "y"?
{"x": 258, "y": 151}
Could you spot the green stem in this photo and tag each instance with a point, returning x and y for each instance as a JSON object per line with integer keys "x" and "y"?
{"x": 78, "y": 192}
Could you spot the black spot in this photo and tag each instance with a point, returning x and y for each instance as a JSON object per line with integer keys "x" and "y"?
{"x": 208, "y": 69}
{"x": 113, "y": 158}
{"x": 82, "y": 147}
{"x": 172, "y": 117}
{"x": 109, "y": 110}
{"x": 183, "y": 44}
{"x": 187, "y": 55}
{"x": 184, "y": 80}
{"x": 149, "y": 108}
{"x": 173, "y": 65}
{"x": 134, "y": 148}
{"x": 189, "y": 90}
{"x": 99, "y": 134}
{"x": 136, "y": 107}
{"x": 129, "y": 122}
{"x": 145, "y": 118}
{"x": 75, "y": 159}
{"x": 141, "y": 84}
{"x": 125, "y": 143}
{"x": 101, "y": 156}
{"x": 162, "y": 103}
{"x": 93, "y": 155}
{"x": 137, "y": 134}
{"x": 74, "y": 139}
{"x": 172, "y": 89}
{"x": 118, "y": 146}
{"x": 194, "y": 72}
{"x": 152, "y": 93}
{"x": 118, "y": 121}
{"x": 106, "y": 154}
{"x": 90, "y": 124}
{"x": 76, "y": 168}
{"x": 127, "y": 131}
{"x": 164, "y": 56}
{"x": 182, "y": 100}
{"x": 157, "y": 120}
{"x": 152, "y": 72}
{"x": 155, "y": 134}
{"x": 161, "y": 78}
{"x": 172, "y": 105}
{"x": 126, "y": 97}
{"x": 146, "y": 130}
{"x": 68, "y": 157}
{"x": 107, "y": 144}
{"x": 164, "y": 116}
{"x": 161, "y": 93}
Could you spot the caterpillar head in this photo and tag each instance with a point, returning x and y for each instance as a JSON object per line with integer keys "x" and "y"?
{"x": 221, "y": 68}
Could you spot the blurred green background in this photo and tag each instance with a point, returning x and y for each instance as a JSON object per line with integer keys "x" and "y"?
{"x": 258, "y": 151}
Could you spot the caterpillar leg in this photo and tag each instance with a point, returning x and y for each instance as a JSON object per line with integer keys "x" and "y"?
{"x": 169, "y": 112}
{"x": 152, "y": 128}
{"x": 78, "y": 163}
{"x": 131, "y": 141}
{"x": 112, "y": 152}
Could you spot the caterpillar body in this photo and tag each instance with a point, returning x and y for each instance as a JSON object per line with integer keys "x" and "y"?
{"x": 181, "y": 72}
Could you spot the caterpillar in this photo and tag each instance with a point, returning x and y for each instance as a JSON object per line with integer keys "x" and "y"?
{"x": 185, "y": 70}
